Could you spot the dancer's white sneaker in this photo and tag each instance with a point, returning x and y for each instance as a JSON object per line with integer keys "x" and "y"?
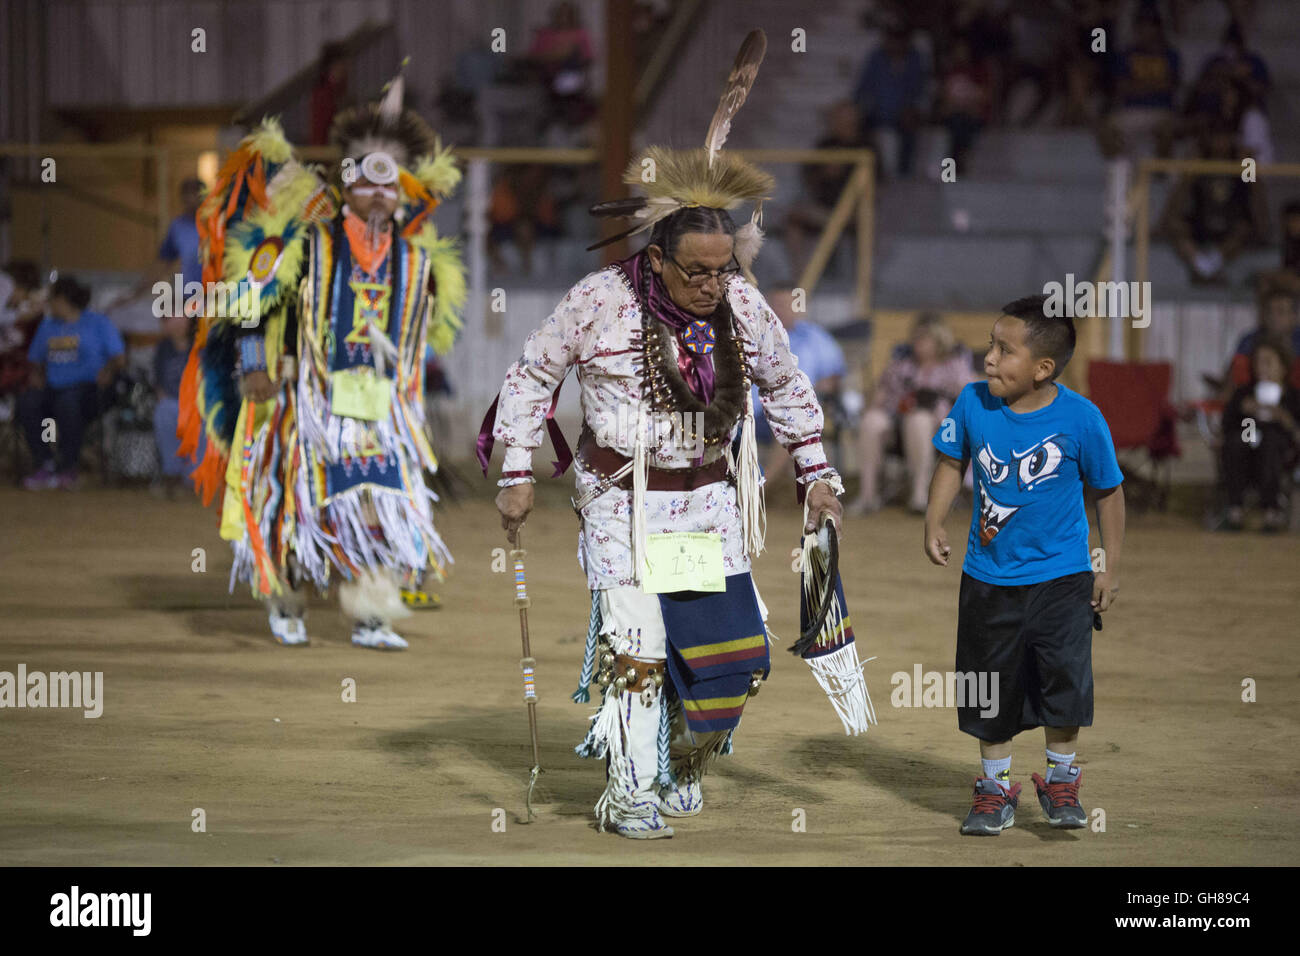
{"x": 380, "y": 637}
{"x": 289, "y": 631}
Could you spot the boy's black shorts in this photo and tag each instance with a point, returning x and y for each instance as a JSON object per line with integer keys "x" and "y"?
{"x": 1038, "y": 639}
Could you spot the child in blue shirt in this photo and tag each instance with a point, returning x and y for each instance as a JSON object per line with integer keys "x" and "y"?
{"x": 76, "y": 353}
{"x": 1029, "y": 594}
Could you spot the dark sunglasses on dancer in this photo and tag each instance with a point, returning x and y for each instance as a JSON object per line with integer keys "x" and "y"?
{"x": 697, "y": 280}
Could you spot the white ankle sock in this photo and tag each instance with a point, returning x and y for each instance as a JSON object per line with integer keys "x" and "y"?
{"x": 1058, "y": 760}
{"x": 999, "y": 770}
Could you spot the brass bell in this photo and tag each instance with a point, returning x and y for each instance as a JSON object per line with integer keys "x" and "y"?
{"x": 630, "y": 674}
{"x": 620, "y": 685}
{"x": 753, "y": 688}
{"x": 604, "y": 678}
{"x": 607, "y": 659}
{"x": 658, "y": 678}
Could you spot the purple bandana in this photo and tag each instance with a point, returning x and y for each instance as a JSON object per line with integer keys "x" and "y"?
{"x": 696, "y": 369}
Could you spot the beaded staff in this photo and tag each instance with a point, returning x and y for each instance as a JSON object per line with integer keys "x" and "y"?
{"x": 527, "y": 664}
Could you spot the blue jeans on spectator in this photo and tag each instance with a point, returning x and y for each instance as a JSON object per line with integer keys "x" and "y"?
{"x": 72, "y": 408}
{"x": 165, "y": 414}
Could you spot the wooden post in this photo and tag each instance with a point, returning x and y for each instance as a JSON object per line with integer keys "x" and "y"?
{"x": 1142, "y": 242}
{"x": 616, "y": 112}
{"x": 866, "y": 234}
{"x": 839, "y": 218}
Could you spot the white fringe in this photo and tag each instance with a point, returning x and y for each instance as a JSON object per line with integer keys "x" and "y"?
{"x": 311, "y": 414}
{"x": 640, "y": 482}
{"x": 839, "y": 673}
{"x": 610, "y": 735}
{"x": 840, "y": 676}
{"x": 749, "y": 485}
{"x": 382, "y": 348}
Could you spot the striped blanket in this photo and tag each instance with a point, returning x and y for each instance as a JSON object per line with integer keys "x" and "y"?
{"x": 715, "y": 643}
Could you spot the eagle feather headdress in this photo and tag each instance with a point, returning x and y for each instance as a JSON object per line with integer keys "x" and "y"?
{"x": 708, "y": 177}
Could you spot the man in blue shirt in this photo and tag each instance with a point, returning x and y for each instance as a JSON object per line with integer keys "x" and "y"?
{"x": 820, "y": 358}
{"x": 179, "y": 250}
{"x": 1029, "y": 594}
{"x": 76, "y": 353}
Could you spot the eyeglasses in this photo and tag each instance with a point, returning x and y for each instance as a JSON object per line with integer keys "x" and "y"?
{"x": 697, "y": 280}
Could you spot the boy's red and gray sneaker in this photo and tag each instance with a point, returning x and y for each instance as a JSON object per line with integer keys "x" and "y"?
{"x": 1059, "y": 797}
{"x": 992, "y": 810}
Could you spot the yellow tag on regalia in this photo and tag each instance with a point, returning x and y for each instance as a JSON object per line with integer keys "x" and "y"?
{"x": 360, "y": 394}
{"x": 683, "y": 561}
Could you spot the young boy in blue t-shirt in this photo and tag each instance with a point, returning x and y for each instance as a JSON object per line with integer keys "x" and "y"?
{"x": 1029, "y": 596}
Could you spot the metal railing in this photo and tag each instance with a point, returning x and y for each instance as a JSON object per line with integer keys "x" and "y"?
{"x": 1150, "y": 167}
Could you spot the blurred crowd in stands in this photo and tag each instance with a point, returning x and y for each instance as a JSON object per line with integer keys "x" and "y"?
{"x": 960, "y": 65}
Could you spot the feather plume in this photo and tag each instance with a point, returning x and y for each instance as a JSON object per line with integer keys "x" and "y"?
{"x": 686, "y": 175}
{"x": 438, "y": 172}
{"x": 618, "y": 207}
{"x": 743, "y": 73}
{"x": 268, "y": 139}
{"x": 390, "y": 107}
{"x": 749, "y": 239}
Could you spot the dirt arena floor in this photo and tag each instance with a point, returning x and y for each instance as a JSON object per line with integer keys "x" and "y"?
{"x": 202, "y": 710}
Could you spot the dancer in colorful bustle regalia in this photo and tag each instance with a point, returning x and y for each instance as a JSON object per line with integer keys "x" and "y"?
{"x": 666, "y": 343}
{"x": 310, "y": 386}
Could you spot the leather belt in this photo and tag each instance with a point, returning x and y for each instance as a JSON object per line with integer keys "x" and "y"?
{"x": 605, "y": 462}
{"x": 647, "y": 673}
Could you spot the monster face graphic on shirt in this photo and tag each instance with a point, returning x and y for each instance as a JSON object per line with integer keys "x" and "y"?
{"x": 1006, "y": 478}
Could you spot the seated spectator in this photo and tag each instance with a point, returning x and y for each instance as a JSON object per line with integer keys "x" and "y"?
{"x": 1278, "y": 322}
{"x": 522, "y": 209}
{"x": 1232, "y": 90}
{"x": 1210, "y": 218}
{"x": 22, "y": 302}
{"x": 1261, "y": 435}
{"x": 1288, "y": 276}
{"x": 1239, "y": 64}
{"x": 168, "y": 366}
{"x": 561, "y": 52}
{"x": 823, "y": 184}
{"x": 820, "y": 358}
{"x": 1146, "y": 83}
{"x": 76, "y": 353}
{"x": 1035, "y": 58}
{"x": 965, "y": 100}
{"x": 915, "y": 392}
{"x": 1087, "y": 75}
{"x": 889, "y": 95}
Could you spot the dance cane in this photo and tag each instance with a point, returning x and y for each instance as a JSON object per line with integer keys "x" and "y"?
{"x": 527, "y": 664}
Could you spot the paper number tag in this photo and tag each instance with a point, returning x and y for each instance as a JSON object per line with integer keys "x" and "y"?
{"x": 359, "y": 395}
{"x": 683, "y": 561}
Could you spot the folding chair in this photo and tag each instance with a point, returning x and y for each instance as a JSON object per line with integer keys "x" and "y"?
{"x": 1134, "y": 399}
